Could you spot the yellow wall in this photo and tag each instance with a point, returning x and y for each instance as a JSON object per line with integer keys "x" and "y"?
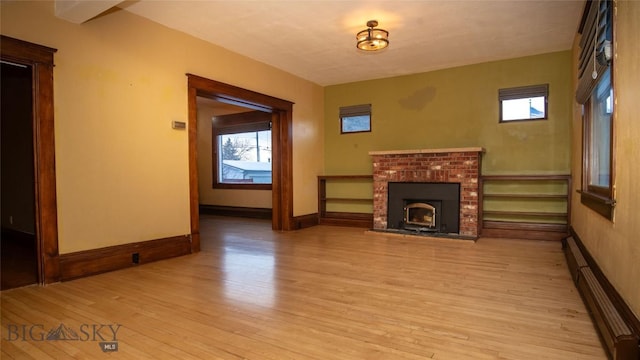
{"x": 457, "y": 107}
{"x": 119, "y": 81}
{"x": 223, "y": 197}
{"x": 616, "y": 245}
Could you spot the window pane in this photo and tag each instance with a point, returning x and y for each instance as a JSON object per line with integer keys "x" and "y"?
{"x": 600, "y": 136}
{"x": 356, "y": 123}
{"x": 523, "y": 109}
{"x": 245, "y": 158}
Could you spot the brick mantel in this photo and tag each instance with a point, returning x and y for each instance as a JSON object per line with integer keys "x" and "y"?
{"x": 453, "y": 165}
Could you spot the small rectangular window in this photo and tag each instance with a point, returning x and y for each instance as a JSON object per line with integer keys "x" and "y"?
{"x": 355, "y": 118}
{"x": 523, "y": 103}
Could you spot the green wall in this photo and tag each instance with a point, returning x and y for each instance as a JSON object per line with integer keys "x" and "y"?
{"x": 457, "y": 107}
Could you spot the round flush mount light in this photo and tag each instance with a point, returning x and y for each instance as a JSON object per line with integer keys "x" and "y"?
{"x": 372, "y": 38}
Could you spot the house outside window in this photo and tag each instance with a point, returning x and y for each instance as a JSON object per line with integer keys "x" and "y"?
{"x": 523, "y": 103}
{"x": 242, "y": 151}
{"x": 245, "y": 158}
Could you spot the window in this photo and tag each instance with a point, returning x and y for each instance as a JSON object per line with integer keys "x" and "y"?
{"x": 595, "y": 92}
{"x": 598, "y": 139}
{"x": 523, "y": 103}
{"x": 355, "y": 119}
{"x": 242, "y": 151}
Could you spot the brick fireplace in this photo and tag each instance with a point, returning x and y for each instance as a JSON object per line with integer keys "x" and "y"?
{"x": 455, "y": 165}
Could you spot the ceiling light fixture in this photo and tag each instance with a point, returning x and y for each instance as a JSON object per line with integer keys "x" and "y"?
{"x": 372, "y": 39}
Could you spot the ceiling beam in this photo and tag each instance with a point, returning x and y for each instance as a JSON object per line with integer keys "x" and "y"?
{"x": 80, "y": 11}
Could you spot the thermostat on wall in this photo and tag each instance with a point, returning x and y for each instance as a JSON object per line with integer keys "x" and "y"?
{"x": 179, "y": 125}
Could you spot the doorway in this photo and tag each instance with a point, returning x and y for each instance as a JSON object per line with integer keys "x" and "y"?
{"x": 282, "y": 174}
{"x": 38, "y": 61}
{"x": 19, "y": 249}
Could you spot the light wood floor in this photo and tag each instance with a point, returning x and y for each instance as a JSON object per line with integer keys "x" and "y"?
{"x": 318, "y": 293}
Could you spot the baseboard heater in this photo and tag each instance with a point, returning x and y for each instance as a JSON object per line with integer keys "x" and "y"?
{"x": 618, "y": 337}
{"x": 575, "y": 260}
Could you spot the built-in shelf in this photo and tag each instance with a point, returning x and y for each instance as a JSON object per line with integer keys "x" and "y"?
{"x": 525, "y": 214}
{"x": 342, "y": 218}
{"x": 348, "y": 199}
{"x": 527, "y": 196}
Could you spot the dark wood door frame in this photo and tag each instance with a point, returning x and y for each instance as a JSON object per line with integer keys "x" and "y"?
{"x": 281, "y": 133}
{"x": 40, "y": 59}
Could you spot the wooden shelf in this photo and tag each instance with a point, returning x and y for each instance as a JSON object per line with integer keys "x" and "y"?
{"x": 524, "y": 213}
{"x": 525, "y": 177}
{"x": 508, "y": 223}
{"x": 344, "y": 177}
{"x": 527, "y": 196}
{"x": 348, "y": 199}
{"x": 531, "y": 226}
{"x": 342, "y": 218}
{"x": 347, "y": 219}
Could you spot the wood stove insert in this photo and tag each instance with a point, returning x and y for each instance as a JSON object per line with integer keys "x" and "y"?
{"x": 424, "y": 207}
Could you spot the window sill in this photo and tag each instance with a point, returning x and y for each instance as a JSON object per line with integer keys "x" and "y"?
{"x": 242, "y": 186}
{"x": 598, "y": 203}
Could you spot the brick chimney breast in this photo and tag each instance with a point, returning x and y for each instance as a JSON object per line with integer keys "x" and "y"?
{"x": 455, "y": 165}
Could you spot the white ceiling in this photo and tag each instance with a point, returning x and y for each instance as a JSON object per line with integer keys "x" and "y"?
{"x": 315, "y": 39}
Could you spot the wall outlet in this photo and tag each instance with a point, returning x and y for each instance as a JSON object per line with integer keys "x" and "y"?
{"x": 135, "y": 258}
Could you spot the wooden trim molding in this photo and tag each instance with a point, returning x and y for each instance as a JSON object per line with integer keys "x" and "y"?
{"x": 252, "y": 121}
{"x": 600, "y": 204}
{"x": 194, "y": 195}
{"x": 522, "y": 230}
{"x": 246, "y": 212}
{"x": 299, "y": 222}
{"x": 92, "y": 262}
{"x": 305, "y": 221}
{"x": 362, "y": 220}
{"x": 281, "y": 134}
{"x": 40, "y": 59}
